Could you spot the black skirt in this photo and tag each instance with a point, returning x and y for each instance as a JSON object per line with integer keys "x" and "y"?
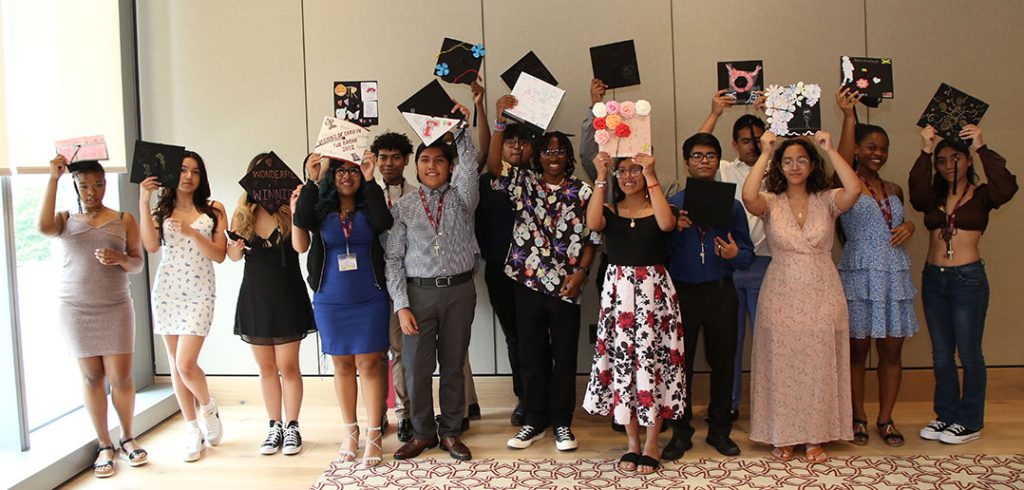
{"x": 273, "y": 303}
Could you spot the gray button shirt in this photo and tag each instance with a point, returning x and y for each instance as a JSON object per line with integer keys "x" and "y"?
{"x": 410, "y": 248}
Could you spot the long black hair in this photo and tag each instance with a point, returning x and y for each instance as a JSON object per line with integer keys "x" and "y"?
{"x": 940, "y": 188}
{"x": 82, "y": 168}
{"x": 563, "y": 143}
{"x": 330, "y": 200}
{"x": 816, "y": 181}
{"x": 200, "y": 198}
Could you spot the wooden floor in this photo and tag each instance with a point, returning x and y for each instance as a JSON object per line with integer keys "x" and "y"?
{"x": 237, "y": 462}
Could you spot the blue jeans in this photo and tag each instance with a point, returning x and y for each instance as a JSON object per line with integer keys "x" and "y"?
{"x": 955, "y": 304}
{"x": 748, "y": 288}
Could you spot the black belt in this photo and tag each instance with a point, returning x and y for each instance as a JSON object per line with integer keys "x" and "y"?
{"x": 441, "y": 281}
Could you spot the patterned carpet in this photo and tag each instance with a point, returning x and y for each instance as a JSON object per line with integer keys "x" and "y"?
{"x": 910, "y": 472}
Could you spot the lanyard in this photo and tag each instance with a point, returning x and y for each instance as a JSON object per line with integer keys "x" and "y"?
{"x": 434, "y": 222}
{"x": 387, "y": 192}
{"x": 950, "y": 229}
{"x": 702, "y": 231}
{"x": 346, "y": 228}
{"x": 883, "y": 204}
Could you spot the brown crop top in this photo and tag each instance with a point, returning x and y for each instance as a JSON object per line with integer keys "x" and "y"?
{"x": 973, "y": 214}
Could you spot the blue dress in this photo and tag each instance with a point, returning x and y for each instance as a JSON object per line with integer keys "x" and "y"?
{"x": 876, "y": 275}
{"x": 350, "y": 309}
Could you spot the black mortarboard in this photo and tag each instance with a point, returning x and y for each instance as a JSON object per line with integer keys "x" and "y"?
{"x": 950, "y": 110}
{"x": 872, "y": 77}
{"x": 270, "y": 182}
{"x": 158, "y": 159}
{"x": 458, "y": 61}
{"x": 530, "y": 64}
{"x": 709, "y": 203}
{"x": 741, "y": 79}
{"x": 615, "y": 64}
{"x": 431, "y": 100}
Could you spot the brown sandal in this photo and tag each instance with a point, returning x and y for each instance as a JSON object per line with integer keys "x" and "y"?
{"x": 890, "y": 434}
{"x": 860, "y": 432}
{"x": 784, "y": 453}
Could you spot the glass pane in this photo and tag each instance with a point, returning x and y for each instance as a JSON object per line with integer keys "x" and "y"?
{"x": 52, "y": 380}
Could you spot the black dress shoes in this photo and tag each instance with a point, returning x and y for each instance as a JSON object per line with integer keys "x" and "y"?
{"x": 405, "y": 430}
{"x": 723, "y": 444}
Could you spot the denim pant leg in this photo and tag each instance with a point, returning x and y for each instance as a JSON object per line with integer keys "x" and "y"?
{"x": 970, "y": 293}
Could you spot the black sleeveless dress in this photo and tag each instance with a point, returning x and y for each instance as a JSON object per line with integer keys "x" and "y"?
{"x": 273, "y": 304}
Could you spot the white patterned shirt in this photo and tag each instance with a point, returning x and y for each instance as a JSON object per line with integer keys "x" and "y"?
{"x": 736, "y": 172}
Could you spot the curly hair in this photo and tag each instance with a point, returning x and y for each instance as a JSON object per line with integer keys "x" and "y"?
{"x": 244, "y": 219}
{"x": 776, "y": 182}
{"x": 330, "y": 200}
{"x": 563, "y": 143}
{"x": 200, "y": 198}
{"x": 392, "y": 141}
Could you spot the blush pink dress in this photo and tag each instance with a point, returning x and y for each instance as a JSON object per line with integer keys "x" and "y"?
{"x": 800, "y": 367}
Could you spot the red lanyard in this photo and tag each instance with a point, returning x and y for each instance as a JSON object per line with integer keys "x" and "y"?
{"x": 435, "y": 222}
{"x": 387, "y": 192}
{"x": 948, "y": 231}
{"x": 346, "y": 228}
{"x": 883, "y": 204}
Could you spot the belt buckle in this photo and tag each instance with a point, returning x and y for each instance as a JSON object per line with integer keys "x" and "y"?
{"x": 443, "y": 282}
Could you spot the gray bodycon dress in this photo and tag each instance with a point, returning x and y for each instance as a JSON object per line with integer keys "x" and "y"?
{"x": 94, "y": 308}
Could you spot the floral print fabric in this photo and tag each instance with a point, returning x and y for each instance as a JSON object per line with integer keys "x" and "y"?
{"x": 638, "y": 361}
{"x": 550, "y": 229}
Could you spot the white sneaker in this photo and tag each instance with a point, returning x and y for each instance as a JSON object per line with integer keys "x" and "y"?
{"x": 214, "y": 430}
{"x": 525, "y": 437}
{"x": 193, "y": 444}
{"x": 933, "y": 430}
{"x": 958, "y": 434}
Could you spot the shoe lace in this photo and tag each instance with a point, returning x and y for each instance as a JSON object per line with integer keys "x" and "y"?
{"x": 292, "y": 437}
{"x": 957, "y": 429}
{"x": 273, "y": 437}
{"x": 526, "y": 432}
{"x": 563, "y": 433}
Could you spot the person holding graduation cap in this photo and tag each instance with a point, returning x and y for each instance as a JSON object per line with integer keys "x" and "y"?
{"x": 746, "y": 131}
{"x": 350, "y": 303}
{"x": 273, "y": 313}
{"x": 430, "y": 266}
{"x": 190, "y": 229}
{"x": 549, "y": 258}
{"x": 101, "y": 247}
{"x": 800, "y": 384}
{"x": 954, "y": 288}
{"x": 703, "y": 257}
{"x": 637, "y": 374}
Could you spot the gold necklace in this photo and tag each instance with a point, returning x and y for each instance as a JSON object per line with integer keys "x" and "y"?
{"x": 632, "y": 220}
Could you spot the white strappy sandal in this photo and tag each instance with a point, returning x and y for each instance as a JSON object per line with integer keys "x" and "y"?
{"x": 353, "y": 434}
{"x": 371, "y": 461}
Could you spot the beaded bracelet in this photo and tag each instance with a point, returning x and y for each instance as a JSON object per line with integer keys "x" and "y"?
{"x": 500, "y": 125}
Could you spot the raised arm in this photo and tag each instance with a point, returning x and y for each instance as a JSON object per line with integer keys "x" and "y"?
{"x": 847, "y": 102}
{"x": 719, "y": 102}
{"x": 147, "y": 222}
{"x": 483, "y": 129}
{"x": 464, "y": 177}
{"x": 1002, "y": 184}
{"x": 595, "y": 207}
{"x": 498, "y": 138}
{"x": 755, "y": 203}
{"x": 850, "y": 192}
{"x": 50, "y": 223}
{"x": 662, "y": 211}
{"x": 589, "y": 147}
{"x": 920, "y": 181}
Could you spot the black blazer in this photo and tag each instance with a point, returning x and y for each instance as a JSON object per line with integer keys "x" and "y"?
{"x": 305, "y": 217}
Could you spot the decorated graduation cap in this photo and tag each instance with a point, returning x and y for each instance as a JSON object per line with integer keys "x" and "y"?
{"x": 622, "y": 128}
{"x": 429, "y": 112}
{"x": 531, "y": 64}
{"x": 536, "y": 102}
{"x": 615, "y": 64}
{"x": 163, "y": 161}
{"x": 872, "y": 77}
{"x": 80, "y": 150}
{"x": 709, "y": 203}
{"x": 342, "y": 140}
{"x": 950, "y": 110}
{"x": 741, "y": 79}
{"x": 356, "y": 102}
{"x": 270, "y": 182}
{"x": 459, "y": 61}
{"x": 793, "y": 110}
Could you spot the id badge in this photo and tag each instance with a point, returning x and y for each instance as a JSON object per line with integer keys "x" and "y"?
{"x": 347, "y": 262}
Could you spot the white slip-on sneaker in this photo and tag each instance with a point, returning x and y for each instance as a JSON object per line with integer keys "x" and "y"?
{"x": 193, "y": 444}
{"x": 214, "y": 430}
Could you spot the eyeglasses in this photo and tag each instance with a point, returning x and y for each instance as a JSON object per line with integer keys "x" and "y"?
{"x": 697, "y": 156}
{"x": 633, "y": 171}
{"x": 799, "y": 162}
{"x": 558, "y": 152}
{"x": 349, "y": 170}
{"x": 512, "y": 143}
